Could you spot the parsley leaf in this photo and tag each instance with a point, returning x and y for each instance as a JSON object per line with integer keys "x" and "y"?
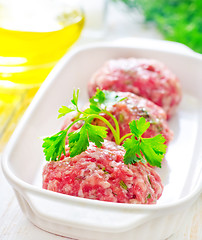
{"x": 54, "y": 146}
{"x": 133, "y": 153}
{"x": 64, "y": 110}
{"x": 96, "y": 134}
{"x": 103, "y": 98}
{"x": 153, "y": 149}
{"x": 75, "y": 98}
{"x": 139, "y": 127}
{"x": 79, "y": 139}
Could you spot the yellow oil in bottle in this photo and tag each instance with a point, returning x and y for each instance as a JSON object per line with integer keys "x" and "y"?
{"x": 27, "y": 57}
{"x": 30, "y": 46}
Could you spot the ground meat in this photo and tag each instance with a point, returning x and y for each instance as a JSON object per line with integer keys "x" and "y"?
{"x": 132, "y": 108}
{"x": 101, "y": 174}
{"x": 150, "y": 79}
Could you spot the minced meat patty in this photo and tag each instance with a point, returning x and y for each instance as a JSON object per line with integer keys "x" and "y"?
{"x": 132, "y": 108}
{"x": 148, "y": 78}
{"x": 100, "y": 173}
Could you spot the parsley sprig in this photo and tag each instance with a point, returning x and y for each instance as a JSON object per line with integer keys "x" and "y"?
{"x": 138, "y": 149}
{"x": 153, "y": 149}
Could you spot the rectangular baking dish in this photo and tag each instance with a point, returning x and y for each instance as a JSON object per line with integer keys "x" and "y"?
{"x": 79, "y": 218}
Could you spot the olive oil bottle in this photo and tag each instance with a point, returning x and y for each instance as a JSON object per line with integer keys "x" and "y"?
{"x": 34, "y": 35}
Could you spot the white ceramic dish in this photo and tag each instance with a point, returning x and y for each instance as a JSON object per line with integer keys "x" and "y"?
{"x": 90, "y": 219}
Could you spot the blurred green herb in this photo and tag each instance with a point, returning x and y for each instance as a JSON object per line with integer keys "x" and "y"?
{"x": 177, "y": 20}
{"x": 129, "y": 3}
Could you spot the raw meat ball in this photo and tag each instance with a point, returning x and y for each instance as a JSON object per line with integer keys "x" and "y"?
{"x": 100, "y": 174}
{"x": 148, "y": 78}
{"x": 132, "y": 108}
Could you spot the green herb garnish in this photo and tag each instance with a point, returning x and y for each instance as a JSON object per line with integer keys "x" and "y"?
{"x": 149, "y": 196}
{"x": 178, "y": 21}
{"x": 123, "y": 185}
{"x": 137, "y": 148}
{"x": 153, "y": 149}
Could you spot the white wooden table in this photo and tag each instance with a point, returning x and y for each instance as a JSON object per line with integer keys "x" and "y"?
{"x": 13, "y": 224}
